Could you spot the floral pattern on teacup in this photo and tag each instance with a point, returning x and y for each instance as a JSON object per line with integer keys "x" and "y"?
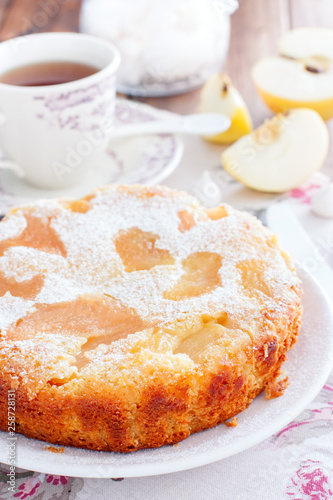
{"x": 65, "y": 110}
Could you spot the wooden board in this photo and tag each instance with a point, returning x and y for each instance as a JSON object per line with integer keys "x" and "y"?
{"x": 21, "y": 17}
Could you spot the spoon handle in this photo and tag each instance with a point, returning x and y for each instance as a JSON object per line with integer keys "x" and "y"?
{"x": 201, "y": 123}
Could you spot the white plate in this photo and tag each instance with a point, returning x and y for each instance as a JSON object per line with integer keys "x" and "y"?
{"x": 309, "y": 365}
{"x": 146, "y": 159}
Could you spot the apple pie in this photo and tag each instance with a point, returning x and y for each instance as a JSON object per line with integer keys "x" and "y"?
{"x": 134, "y": 317}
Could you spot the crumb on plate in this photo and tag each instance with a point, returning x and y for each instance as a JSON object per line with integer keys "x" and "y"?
{"x": 232, "y": 423}
{"x": 53, "y": 449}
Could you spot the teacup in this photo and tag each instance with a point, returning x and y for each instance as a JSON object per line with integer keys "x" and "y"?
{"x": 52, "y": 135}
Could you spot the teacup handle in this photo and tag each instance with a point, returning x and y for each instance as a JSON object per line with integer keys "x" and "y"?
{"x": 6, "y": 163}
{"x": 10, "y": 165}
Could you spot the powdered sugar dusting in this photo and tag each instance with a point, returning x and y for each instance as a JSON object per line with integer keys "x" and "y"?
{"x": 12, "y": 309}
{"x": 12, "y": 226}
{"x": 93, "y": 266}
{"x": 23, "y": 263}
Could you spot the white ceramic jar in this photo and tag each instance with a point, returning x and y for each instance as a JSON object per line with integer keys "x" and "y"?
{"x": 167, "y": 46}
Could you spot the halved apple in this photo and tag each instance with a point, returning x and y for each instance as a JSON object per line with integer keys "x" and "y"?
{"x": 302, "y": 76}
{"x": 220, "y": 96}
{"x": 281, "y": 154}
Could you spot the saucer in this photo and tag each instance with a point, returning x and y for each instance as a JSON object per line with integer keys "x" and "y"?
{"x": 146, "y": 159}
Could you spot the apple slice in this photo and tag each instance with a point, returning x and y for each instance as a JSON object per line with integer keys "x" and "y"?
{"x": 220, "y": 96}
{"x": 281, "y": 154}
{"x": 302, "y": 76}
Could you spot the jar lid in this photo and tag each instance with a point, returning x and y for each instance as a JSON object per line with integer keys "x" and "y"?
{"x": 225, "y": 7}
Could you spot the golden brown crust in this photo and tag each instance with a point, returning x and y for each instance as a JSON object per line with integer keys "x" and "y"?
{"x": 162, "y": 414}
{"x": 178, "y": 376}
